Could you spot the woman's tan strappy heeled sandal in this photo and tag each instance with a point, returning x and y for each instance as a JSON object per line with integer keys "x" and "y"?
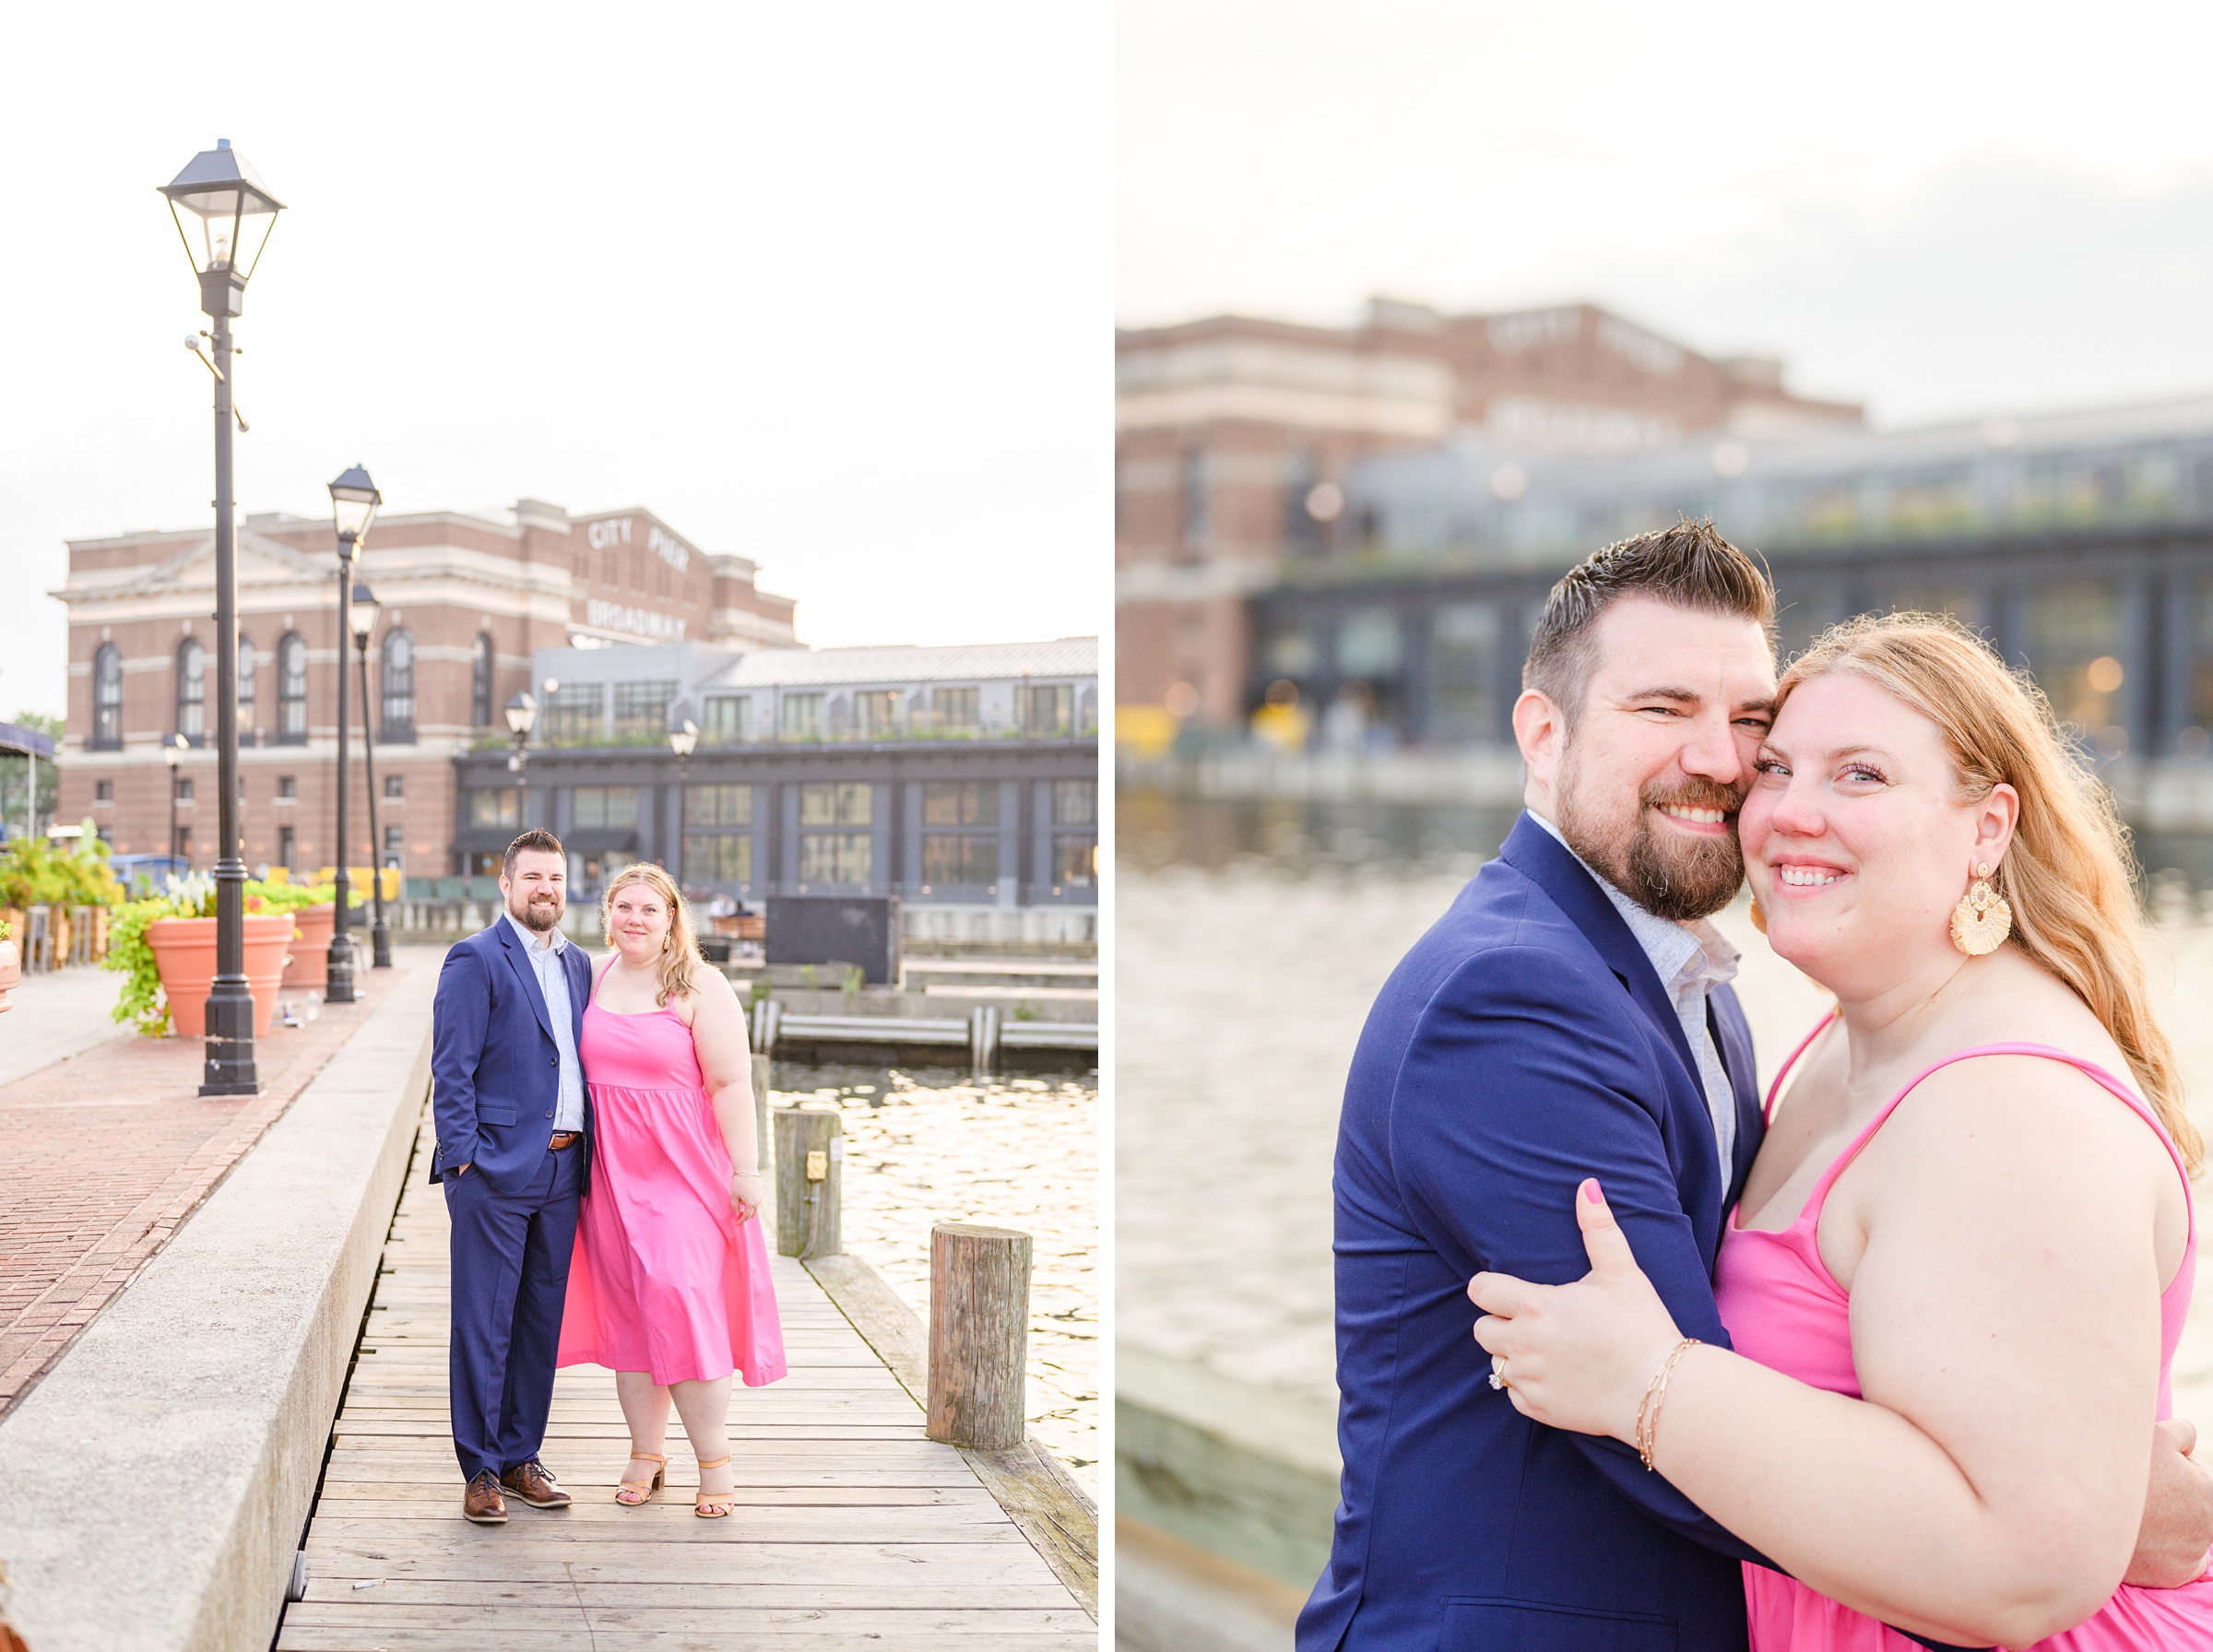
{"x": 704, "y": 1503}
{"x": 644, "y": 1488}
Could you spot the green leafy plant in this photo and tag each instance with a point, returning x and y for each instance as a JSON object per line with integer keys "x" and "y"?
{"x": 1025, "y": 1012}
{"x": 142, "y": 1002}
{"x": 35, "y": 871}
{"x": 291, "y": 897}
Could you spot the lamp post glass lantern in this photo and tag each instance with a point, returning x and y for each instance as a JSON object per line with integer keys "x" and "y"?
{"x": 522, "y": 717}
{"x": 366, "y": 608}
{"x": 353, "y": 501}
{"x": 224, "y": 214}
{"x": 174, "y": 753}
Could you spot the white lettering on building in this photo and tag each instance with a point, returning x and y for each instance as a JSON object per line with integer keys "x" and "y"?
{"x": 635, "y": 622}
{"x": 606, "y": 536}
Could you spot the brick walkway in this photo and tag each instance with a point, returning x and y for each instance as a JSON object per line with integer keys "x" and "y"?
{"x": 107, "y": 1153}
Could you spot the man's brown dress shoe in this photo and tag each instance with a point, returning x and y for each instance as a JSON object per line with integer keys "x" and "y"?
{"x": 535, "y": 1486}
{"x": 482, "y": 1502}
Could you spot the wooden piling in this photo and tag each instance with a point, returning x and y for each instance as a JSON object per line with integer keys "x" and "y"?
{"x": 810, "y": 1158}
{"x": 980, "y": 1324}
{"x": 761, "y": 1141}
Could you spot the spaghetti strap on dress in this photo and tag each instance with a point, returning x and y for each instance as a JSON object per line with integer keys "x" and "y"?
{"x": 664, "y": 1279}
{"x": 1784, "y": 1309}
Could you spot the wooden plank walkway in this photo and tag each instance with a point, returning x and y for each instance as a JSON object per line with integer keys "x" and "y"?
{"x": 852, "y": 1529}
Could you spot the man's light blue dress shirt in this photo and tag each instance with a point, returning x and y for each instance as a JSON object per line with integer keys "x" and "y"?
{"x": 546, "y": 954}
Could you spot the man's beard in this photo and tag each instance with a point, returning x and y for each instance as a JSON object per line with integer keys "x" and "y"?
{"x": 538, "y": 912}
{"x": 1693, "y": 877}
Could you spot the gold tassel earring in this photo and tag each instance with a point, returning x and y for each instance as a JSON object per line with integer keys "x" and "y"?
{"x": 1983, "y": 920}
{"x": 1759, "y": 918}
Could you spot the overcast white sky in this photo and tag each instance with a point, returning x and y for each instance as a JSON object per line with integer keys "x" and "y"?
{"x": 1937, "y": 208}
{"x": 829, "y": 286}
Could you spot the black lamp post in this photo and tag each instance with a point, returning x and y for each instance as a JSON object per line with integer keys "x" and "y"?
{"x": 174, "y": 753}
{"x": 683, "y": 740}
{"x": 353, "y": 501}
{"x": 232, "y": 214}
{"x": 522, "y": 717}
{"x": 365, "y": 612}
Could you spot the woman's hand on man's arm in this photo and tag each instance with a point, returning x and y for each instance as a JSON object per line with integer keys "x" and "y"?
{"x": 1989, "y": 1484}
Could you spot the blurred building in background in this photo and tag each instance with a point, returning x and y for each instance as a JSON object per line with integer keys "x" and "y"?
{"x": 1386, "y": 604}
{"x": 2080, "y": 544}
{"x": 1237, "y": 438}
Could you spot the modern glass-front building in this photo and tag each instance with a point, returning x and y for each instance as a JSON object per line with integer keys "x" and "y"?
{"x": 2080, "y": 544}
{"x": 959, "y": 777}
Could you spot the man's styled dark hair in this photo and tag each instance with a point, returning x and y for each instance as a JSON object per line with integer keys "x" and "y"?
{"x": 1690, "y": 565}
{"x": 537, "y": 840}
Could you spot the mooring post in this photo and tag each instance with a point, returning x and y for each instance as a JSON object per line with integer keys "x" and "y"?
{"x": 983, "y": 1037}
{"x": 809, "y": 1153}
{"x": 761, "y": 1022}
{"x": 980, "y": 1325}
{"x": 761, "y": 1075}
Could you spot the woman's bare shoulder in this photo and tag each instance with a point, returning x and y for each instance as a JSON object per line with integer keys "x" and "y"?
{"x": 710, "y": 990}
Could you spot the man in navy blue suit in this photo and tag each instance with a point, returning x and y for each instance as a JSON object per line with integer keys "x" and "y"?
{"x": 514, "y": 1126}
{"x": 1569, "y": 1016}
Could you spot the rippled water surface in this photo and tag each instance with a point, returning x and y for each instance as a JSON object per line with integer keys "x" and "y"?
{"x": 1252, "y": 938}
{"x": 930, "y": 1145}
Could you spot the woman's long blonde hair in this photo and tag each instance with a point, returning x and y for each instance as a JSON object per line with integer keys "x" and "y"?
{"x": 2066, "y": 872}
{"x": 680, "y": 951}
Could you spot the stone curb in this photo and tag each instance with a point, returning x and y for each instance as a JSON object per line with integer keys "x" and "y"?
{"x": 154, "y": 1486}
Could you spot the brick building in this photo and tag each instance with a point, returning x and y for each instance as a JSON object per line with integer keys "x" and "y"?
{"x": 467, "y": 601}
{"x": 1235, "y": 437}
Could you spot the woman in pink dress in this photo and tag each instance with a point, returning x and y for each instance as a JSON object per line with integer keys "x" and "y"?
{"x": 1959, "y": 1270}
{"x": 669, "y": 1286}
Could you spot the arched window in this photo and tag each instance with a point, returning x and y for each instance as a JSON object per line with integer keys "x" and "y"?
{"x": 245, "y": 691}
{"x": 291, "y": 689}
{"x": 107, "y": 699}
{"x": 192, "y": 691}
{"x": 479, "y": 705}
{"x": 398, "y": 657}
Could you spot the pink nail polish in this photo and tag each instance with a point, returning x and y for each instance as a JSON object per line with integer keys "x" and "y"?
{"x": 1591, "y": 1190}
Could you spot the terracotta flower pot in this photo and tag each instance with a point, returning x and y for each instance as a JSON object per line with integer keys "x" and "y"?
{"x": 11, "y": 971}
{"x": 185, "y": 954}
{"x": 311, "y": 948}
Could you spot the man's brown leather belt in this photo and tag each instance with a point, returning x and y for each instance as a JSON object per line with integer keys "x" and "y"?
{"x": 564, "y": 1138}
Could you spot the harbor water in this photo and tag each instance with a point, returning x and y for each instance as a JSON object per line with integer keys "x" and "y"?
{"x": 1253, "y": 938}
{"x": 927, "y": 1145}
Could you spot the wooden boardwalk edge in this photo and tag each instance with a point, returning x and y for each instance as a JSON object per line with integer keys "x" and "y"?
{"x": 1036, "y": 1491}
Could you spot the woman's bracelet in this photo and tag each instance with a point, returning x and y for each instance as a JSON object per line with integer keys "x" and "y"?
{"x": 1655, "y": 1396}
{"x": 754, "y": 1171}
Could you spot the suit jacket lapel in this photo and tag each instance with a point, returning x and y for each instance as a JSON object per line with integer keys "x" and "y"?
{"x": 526, "y": 974}
{"x": 1545, "y": 861}
{"x": 1733, "y": 1039}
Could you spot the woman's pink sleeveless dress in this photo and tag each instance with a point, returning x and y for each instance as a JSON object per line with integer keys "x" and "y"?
{"x": 1784, "y": 1309}
{"x": 664, "y": 1278}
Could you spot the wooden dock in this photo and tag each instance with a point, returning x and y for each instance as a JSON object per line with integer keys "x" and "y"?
{"x": 852, "y": 1529}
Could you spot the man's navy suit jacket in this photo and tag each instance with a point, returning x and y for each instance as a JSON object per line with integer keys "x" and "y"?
{"x": 1522, "y": 1044}
{"x": 495, "y": 1070}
